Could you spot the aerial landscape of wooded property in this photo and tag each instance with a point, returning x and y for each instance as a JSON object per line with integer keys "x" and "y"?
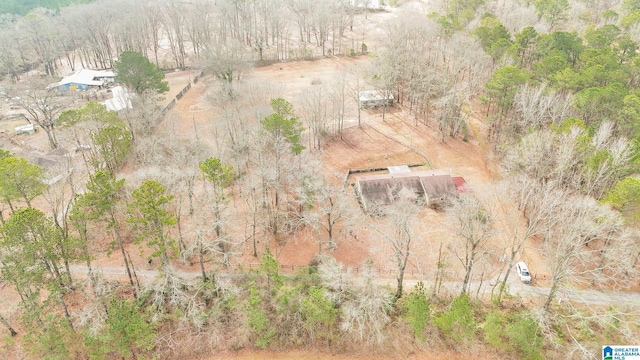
{"x": 302, "y": 179}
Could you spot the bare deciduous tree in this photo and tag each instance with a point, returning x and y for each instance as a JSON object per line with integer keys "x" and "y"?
{"x": 399, "y": 233}
{"x": 562, "y": 155}
{"x": 324, "y": 207}
{"x": 43, "y": 107}
{"x": 571, "y": 246}
{"x": 314, "y": 112}
{"x": 537, "y": 106}
{"x": 364, "y": 306}
{"x": 338, "y": 95}
{"x": 536, "y": 205}
{"x": 227, "y": 61}
{"x": 472, "y": 221}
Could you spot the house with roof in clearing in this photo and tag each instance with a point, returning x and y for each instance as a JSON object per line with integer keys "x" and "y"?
{"x": 84, "y": 79}
{"x": 432, "y": 186}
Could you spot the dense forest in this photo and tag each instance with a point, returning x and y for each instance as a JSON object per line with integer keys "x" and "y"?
{"x": 547, "y": 90}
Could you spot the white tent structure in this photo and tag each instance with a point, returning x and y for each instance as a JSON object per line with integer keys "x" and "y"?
{"x": 121, "y": 99}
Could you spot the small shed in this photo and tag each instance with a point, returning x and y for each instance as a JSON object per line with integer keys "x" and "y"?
{"x": 374, "y": 98}
{"x": 26, "y": 129}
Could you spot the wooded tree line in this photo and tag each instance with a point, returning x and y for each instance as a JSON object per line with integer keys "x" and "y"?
{"x": 561, "y": 106}
{"x": 559, "y": 109}
{"x": 93, "y": 35}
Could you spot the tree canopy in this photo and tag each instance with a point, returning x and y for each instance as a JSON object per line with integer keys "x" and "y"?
{"x": 138, "y": 73}
{"x": 19, "y": 179}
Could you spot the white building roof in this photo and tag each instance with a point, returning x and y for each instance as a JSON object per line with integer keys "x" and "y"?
{"x": 86, "y": 77}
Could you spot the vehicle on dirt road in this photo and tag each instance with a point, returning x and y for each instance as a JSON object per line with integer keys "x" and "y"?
{"x": 523, "y": 272}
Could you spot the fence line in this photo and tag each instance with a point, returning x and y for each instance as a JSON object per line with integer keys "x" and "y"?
{"x": 357, "y": 171}
{"x": 184, "y": 91}
{"x": 197, "y": 77}
{"x": 181, "y": 93}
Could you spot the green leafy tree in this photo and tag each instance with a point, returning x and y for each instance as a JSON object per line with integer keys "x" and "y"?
{"x": 626, "y": 48}
{"x": 516, "y": 333}
{"x": 457, "y": 323}
{"x": 128, "y": 333}
{"x": 112, "y": 144}
{"x": 524, "y": 45}
{"x": 220, "y": 175}
{"x": 524, "y": 336}
{"x": 500, "y": 91}
{"x": 630, "y": 6}
{"x": 569, "y": 44}
{"x": 625, "y": 197}
{"x": 149, "y": 213}
{"x": 629, "y": 116}
{"x": 603, "y": 36}
{"x": 259, "y": 322}
{"x": 549, "y": 66}
{"x": 270, "y": 267}
{"x": 282, "y": 129}
{"x": 460, "y": 13}
{"x": 33, "y": 235}
{"x": 36, "y": 257}
{"x": 608, "y": 67}
{"x": 610, "y": 15}
{"x": 112, "y": 141}
{"x": 319, "y": 313}
{"x": 630, "y": 20}
{"x": 415, "y": 309}
{"x": 99, "y": 203}
{"x": 139, "y": 74}
{"x": 282, "y": 124}
{"x": 54, "y": 339}
{"x": 596, "y": 103}
{"x": 92, "y": 111}
{"x": 494, "y": 37}
{"x": 502, "y": 86}
{"x": 553, "y": 11}
{"x": 449, "y": 23}
{"x": 79, "y": 220}
{"x": 19, "y": 178}
{"x": 7, "y": 192}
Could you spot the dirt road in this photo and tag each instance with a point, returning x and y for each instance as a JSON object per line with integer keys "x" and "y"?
{"x": 537, "y": 294}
